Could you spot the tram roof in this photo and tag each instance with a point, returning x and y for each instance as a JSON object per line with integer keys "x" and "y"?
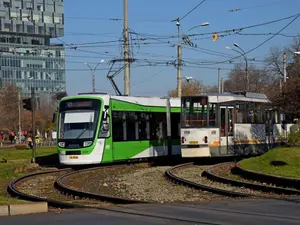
{"x": 235, "y": 97}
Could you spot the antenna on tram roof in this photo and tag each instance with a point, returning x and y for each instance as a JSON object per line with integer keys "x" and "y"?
{"x": 92, "y": 93}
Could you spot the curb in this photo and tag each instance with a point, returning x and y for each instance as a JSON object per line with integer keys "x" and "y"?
{"x": 23, "y": 209}
{"x": 215, "y": 177}
{"x": 287, "y": 182}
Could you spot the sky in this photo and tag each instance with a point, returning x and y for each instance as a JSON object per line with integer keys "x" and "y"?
{"x": 95, "y": 28}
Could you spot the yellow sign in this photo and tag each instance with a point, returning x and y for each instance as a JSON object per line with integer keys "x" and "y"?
{"x": 193, "y": 142}
{"x": 73, "y": 157}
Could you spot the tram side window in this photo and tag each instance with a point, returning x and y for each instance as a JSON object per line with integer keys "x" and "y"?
{"x": 239, "y": 114}
{"x": 124, "y": 126}
{"x": 212, "y": 115}
{"x": 133, "y": 126}
{"x": 118, "y": 120}
{"x": 131, "y": 120}
{"x": 249, "y": 112}
{"x": 175, "y": 125}
{"x": 158, "y": 126}
{"x": 259, "y": 117}
{"x": 144, "y": 125}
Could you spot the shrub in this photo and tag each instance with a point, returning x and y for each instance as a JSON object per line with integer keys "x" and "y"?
{"x": 21, "y": 147}
{"x": 293, "y": 138}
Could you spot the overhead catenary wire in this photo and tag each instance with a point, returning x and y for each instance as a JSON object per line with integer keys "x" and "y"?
{"x": 189, "y": 12}
{"x": 261, "y": 44}
{"x": 256, "y": 6}
{"x": 162, "y": 37}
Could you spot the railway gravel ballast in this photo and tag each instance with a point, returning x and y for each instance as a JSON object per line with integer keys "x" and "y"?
{"x": 176, "y": 179}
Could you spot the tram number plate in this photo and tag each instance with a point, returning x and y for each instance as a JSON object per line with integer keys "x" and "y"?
{"x": 193, "y": 142}
{"x": 73, "y": 157}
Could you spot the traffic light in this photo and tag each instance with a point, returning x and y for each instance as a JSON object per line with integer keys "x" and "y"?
{"x": 27, "y": 104}
{"x": 215, "y": 37}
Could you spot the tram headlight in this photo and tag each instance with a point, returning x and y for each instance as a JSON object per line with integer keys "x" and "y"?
{"x": 87, "y": 143}
{"x": 61, "y": 144}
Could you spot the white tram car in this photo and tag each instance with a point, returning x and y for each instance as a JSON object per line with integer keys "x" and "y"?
{"x": 229, "y": 124}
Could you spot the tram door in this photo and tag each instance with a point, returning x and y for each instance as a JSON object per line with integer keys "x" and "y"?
{"x": 226, "y": 129}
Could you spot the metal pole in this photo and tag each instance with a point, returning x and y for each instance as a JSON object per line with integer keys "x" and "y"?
{"x": 247, "y": 75}
{"x": 179, "y": 60}
{"x": 219, "y": 81}
{"x": 33, "y": 125}
{"x": 126, "y": 51}
{"x": 169, "y": 136}
{"x": 20, "y": 129}
{"x": 246, "y": 69}
{"x": 93, "y": 81}
{"x": 222, "y": 82}
{"x": 280, "y": 85}
{"x": 284, "y": 68}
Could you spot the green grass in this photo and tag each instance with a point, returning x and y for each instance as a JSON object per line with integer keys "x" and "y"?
{"x": 13, "y": 154}
{"x": 7, "y": 170}
{"x": 263, "y": 164}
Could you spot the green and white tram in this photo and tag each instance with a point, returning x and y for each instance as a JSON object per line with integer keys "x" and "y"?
{"x": 99, "y": 128}
{"x": 228, "y": 124}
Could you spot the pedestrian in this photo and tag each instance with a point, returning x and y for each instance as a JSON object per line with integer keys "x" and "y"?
{"x": 30, "y": 142}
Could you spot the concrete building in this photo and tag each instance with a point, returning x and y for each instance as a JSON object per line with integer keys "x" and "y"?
{"x": 27, "y": 59}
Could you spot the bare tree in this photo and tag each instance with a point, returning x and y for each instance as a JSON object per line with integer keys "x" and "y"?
{"x": 274, "y": 62}
{"x": 258, "y": 79}
{"x": 192, "y": 87}
{"x": 9, "y": 103}
{"x": 210, "y": 88}
{"x": 289, "y": 97}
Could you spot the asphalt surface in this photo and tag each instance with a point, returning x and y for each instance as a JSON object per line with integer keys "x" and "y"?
{"x": 233, "y": 212}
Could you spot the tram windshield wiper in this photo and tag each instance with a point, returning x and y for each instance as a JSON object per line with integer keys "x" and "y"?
{"x": 80, "y": 134}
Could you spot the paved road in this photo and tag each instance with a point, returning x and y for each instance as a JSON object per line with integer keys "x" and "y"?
{"x": 243, "y": 212}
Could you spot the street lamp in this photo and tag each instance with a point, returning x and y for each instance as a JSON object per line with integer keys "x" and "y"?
{"x": 188, "y": 79}
{"x": 243, "y": 53}
{"x": 200, "y": 25}
{"x": 93, "y": 72}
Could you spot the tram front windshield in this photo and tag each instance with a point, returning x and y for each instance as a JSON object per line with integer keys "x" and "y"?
{"x": 194, "y": 112}
{"x": 78, "y": 119}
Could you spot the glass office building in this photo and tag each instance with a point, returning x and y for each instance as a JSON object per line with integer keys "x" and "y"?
{"x": 27, "y": 59}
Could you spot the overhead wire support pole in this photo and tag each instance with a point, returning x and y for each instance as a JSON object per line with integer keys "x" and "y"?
{"x": 33, "y": 104}
{"x": 242, "y": 53}
{"x": 219, "y": 81}
{"x": 178, "y": 60}
{"x": 284, "y": 68}
{"x": 20, "y": 129}
{"x": 246, "y": 69}
{"x": 126, "y": 51}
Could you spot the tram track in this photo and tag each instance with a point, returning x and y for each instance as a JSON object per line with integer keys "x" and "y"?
{"x": 207, "y": 180}
{"x": 169, "y": 174}
{"x": 66, "y": 191}
{"x": 15, "y": 192}
{"x": 209, "y": 173}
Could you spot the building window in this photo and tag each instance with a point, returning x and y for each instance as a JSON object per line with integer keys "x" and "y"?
{"x": 39, "y": 8}
{"x": 6, "y": 4}
{"x": 30, "y": 29}
{"x": 7, "y": 27}
{"x": 19, "y": 74}
{"x": 7, "y": 74}
{"x": 49, "y": 65}
{"x": 19, "y": 28}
